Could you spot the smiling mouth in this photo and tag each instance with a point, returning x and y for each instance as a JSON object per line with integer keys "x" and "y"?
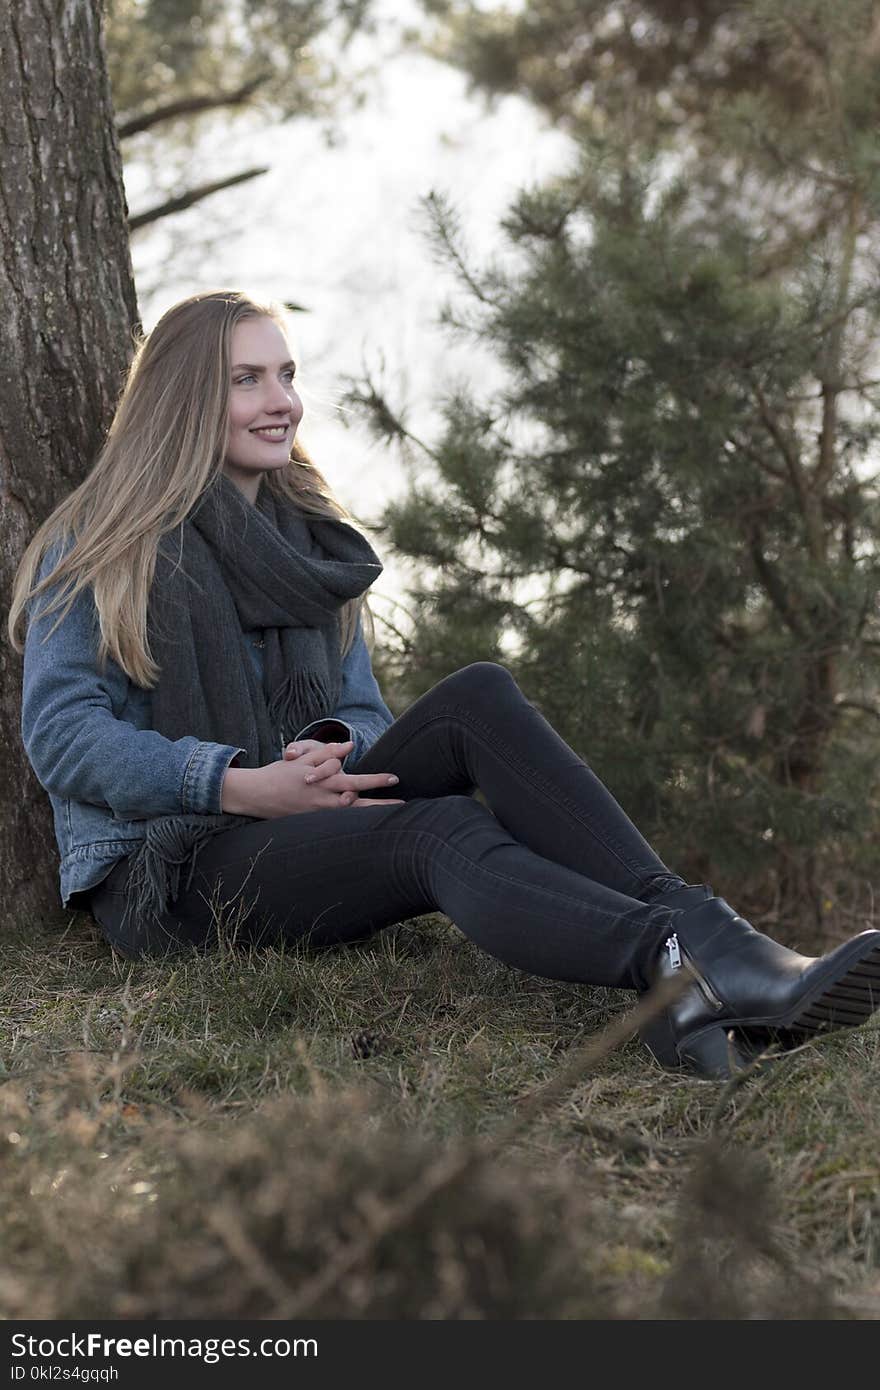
{"x": 271, "y": 432}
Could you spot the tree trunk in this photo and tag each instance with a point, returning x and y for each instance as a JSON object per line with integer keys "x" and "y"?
{"x": 69, "y": 309}
{"x": 800, "y": 894}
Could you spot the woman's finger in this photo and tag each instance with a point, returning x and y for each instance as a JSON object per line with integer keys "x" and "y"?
{"x": 331, "y": 801}
{"x": 340, "y": 801}
{"x": 365, "y": 801}
{"x": 319, "y": 754}
{"x": 325, "y": 770}
{"x": 362, "y": 781}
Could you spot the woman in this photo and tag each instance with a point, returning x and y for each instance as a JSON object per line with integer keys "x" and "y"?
{"x": 199, "y": 704}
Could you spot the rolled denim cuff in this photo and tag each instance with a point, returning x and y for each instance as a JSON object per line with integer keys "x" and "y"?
{"x": 203, "y": 778}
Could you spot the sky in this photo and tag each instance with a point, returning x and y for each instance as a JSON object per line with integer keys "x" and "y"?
{"x": 338, "y": 229}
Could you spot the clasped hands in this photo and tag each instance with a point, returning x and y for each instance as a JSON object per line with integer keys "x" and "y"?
{"x": 331, "y": 786}
{"x": 308, "y": 777}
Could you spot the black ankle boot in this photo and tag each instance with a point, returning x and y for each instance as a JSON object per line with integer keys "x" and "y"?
{"x": 750, "y": 992}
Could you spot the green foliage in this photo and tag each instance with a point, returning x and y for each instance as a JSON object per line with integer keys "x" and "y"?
{"x": 160, "y": 51}
{"x": 666, "y": 520}
{"x": 673, "y": 67}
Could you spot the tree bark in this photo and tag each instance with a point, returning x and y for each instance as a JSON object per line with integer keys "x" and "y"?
{"x": 69, "y": 311}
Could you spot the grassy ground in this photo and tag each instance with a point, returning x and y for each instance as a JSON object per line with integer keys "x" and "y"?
{"x": 271, "y": 1134}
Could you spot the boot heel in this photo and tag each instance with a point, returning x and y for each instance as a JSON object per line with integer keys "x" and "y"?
{"x": 659, "y": 1038}
{"x": 710, "y": 1054}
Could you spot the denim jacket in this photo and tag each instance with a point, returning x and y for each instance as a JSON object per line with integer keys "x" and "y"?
{"x": 90, "y": 741}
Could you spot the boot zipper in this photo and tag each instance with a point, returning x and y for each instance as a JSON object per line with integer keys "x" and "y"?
{"x": 674, "y": 952}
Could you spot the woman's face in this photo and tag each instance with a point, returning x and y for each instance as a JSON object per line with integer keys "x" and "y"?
{"x": 264, "y": 409}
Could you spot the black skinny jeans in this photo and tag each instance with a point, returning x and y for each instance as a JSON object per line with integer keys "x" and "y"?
{"x": 553, "y": 879}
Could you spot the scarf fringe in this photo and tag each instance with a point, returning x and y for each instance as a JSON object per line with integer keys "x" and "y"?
{"x": 301, "y": 697}
{"x": 171, "y": 844}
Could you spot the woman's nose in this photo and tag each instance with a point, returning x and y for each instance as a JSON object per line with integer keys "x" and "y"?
{"x": 282, "y": 397}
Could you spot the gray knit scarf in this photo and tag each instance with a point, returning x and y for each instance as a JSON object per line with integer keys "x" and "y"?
{"x": 229, "y": 570}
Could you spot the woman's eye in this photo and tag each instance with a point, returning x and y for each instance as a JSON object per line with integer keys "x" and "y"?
{"x": 240, "y": 380}
{"x": 289, "y": 373}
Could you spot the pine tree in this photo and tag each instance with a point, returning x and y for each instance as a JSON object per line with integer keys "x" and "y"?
{"x": 665, "y": 523}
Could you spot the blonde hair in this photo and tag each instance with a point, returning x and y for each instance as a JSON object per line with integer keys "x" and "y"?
{"x": 165, "y": 446}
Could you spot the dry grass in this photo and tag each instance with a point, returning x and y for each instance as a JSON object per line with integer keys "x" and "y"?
{"x": 268, "y": 1133}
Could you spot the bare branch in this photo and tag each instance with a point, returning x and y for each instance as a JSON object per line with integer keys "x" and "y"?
{"x": 798, "y": 475}
{"x": 447, "y": 238}
{"x": 773, "y": 585}
{"x": 386, "y": 422}
{"x": 860, "y": 705}
{"x": 787, "y": 163}
{"x": 845, "y": 312}
{"x": 827, "y": 437}
{"x": 459, "y": 1165}
{"x": 781, "y": 256}
{"x": 778, "y": 474}
{"x": 188, "y": 106}
{"x": 186, "y": 200}
{"x": 827, "y": 459}
{"x": 792, "y": 461}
